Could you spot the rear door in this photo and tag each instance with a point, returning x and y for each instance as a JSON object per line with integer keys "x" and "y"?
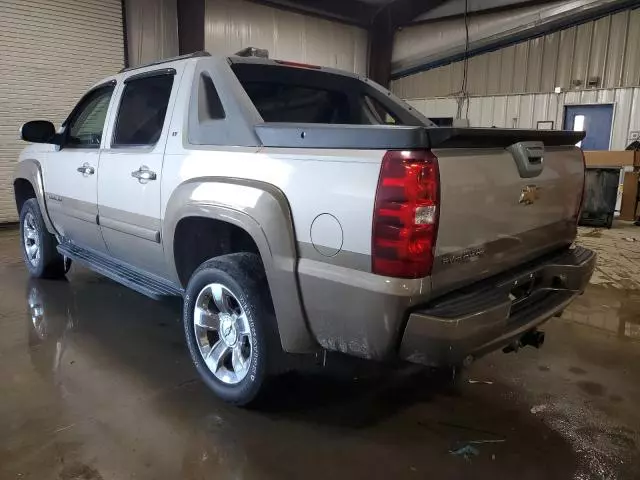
{"x": 131, "y": 167}
{"x": 596, "y": 120}
{"x": 71, "y": 171}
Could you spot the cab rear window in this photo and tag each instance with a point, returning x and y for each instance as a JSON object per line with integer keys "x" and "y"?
{"x": 300, "y": 95}
{"x": 279, "y": 102}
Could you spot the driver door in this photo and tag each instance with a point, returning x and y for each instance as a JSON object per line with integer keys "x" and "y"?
{"x": 71, "y": 171}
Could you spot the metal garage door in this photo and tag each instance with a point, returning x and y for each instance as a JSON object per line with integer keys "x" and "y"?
{"x": 50, "y": 52}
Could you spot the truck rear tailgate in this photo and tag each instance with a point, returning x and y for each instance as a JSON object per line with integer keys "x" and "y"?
{"x": 492, "y": 219}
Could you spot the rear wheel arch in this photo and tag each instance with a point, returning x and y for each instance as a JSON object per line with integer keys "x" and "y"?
{"x": 256, "y": 218}
{"x": 200, "y": 238}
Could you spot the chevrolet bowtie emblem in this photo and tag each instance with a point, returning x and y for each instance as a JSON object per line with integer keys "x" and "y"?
{"x": 529, "y": 194}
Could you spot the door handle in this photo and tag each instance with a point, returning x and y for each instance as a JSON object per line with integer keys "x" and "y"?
{"x": 143, "y": 174}
{"x": 86, "y": 169}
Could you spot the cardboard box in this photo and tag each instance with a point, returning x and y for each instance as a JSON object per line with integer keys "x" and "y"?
{"x": 628, "y": 210}
{"x": 612, "y": 158}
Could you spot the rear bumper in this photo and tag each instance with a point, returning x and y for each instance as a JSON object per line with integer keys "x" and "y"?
{"x": 493, "y": 313}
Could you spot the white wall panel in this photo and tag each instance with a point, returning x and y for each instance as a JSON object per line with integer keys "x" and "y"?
{"x": 457, "y": 70}
{"x": 513, "y": 111}
{"x": 623, "y": 101}
{"x": 441, "y": 107}
{"x": 540, "y": 109}
{"x": 599, "y": 49}
{"x": 534, "y": 65}
{"x": 634, "y": 117}
{"x": 555, "y": 108}
{"x": 477, "y": 76}
{"x": 500, "y": 112}
{"x": 231, "y": 25}
{"x": 526, "y": 110}
{"x": 581, "y": 53}
{"x": 525, "y": 120}
{"x": 616, "y": 50}
{"x": 565, "y": 57}
{"x": 632, "y": 56}
{"x": 605, "y": 96}
{"x": 494, "y": 72}
{"x": 508, "y": 55}
{"x": 420, "y": 105}
{"x": 475, "y": 111}
{"x": 51, "y": 52}
{"x": 588, "y": 97}
{"x": 520, "y": 67}
{"x": 550, "y": 56}
{"x": 486, "y": 111}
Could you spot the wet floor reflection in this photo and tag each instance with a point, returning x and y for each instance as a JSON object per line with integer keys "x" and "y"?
{"x": 99, "y": 385}
{"x": 607, "y": 308}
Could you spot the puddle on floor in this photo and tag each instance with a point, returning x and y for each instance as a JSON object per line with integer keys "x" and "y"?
{"x": 612, "y": 309}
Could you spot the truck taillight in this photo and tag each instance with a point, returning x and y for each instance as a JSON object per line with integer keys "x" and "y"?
{"x": 405, "y": 216}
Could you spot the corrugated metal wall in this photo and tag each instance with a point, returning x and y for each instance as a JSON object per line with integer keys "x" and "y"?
{"x": 51, "y": 53}
{"x": 526, "y": 110}
{"x": 604, "y": 51}
{"x": 231, "y": 25}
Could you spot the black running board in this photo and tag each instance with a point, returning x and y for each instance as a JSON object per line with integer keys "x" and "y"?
{"x": 129, "y": 276}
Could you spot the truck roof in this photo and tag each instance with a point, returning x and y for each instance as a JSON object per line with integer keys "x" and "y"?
{"x": 201, "y": 53}
{"x": 244, "y": 56}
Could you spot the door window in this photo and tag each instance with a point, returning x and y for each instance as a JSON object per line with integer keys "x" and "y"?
{"x": 578, "y": 126}
{"x": 85, "y": 126}
{"x": 142, "y": 111}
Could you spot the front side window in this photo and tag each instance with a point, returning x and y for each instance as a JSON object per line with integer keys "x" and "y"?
{"x": 87, "y": 121}
{"x": 143, "y": 108}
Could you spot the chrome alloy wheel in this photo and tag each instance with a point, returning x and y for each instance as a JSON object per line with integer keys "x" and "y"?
{"x": 31, "y": 237}
{"x": 36, "y": 312}
{"x": 222, "y": 333}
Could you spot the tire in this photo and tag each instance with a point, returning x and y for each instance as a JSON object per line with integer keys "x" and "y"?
{"x": 242, "y": 334}
{"x": 38, "y": 245}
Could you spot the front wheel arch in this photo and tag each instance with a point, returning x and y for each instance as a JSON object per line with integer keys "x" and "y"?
{"x": 22, "y": 190}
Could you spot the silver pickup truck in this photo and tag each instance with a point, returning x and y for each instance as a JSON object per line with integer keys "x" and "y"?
{"x": 297, "y": 208}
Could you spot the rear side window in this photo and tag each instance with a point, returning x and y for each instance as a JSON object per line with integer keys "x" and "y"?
{"x": 142, "y": 111}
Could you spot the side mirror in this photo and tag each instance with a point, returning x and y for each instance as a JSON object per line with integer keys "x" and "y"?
{"x": 38, "y": 131}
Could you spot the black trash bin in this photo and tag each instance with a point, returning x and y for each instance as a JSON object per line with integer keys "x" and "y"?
{"x": 600, "y": 196}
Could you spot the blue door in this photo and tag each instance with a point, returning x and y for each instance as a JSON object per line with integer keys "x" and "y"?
{"x": 595, "y": 120}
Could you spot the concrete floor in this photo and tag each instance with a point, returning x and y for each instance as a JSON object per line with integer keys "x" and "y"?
{"x": 101, "y": 387}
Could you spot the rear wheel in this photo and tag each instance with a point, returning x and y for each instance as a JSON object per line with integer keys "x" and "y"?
{"x": 38, "y": 245}
{"x": 230, "y": 327}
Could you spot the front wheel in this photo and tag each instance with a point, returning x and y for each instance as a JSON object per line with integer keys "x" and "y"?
{"x": 229, "y": 326}
{"x": 38, "y": 245}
